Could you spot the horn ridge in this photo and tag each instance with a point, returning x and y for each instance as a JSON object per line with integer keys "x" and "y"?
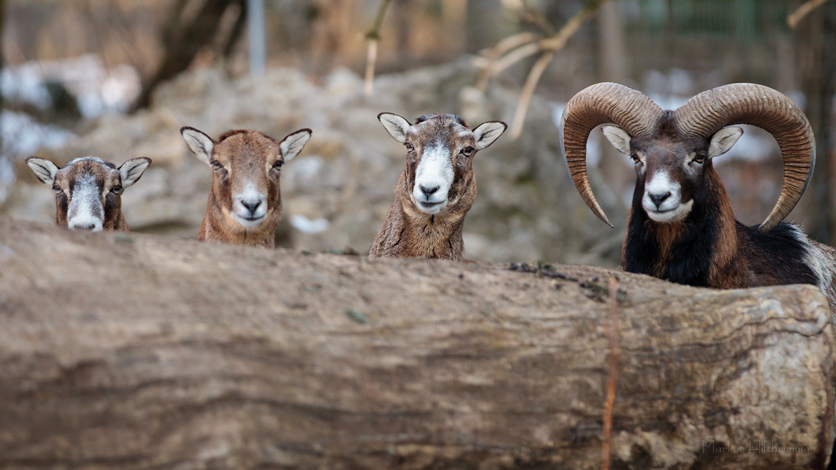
{"x": 600, "y": 104}
{"x": 761, "y": 106}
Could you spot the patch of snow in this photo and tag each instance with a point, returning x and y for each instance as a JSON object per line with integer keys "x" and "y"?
{"x": 22, "y": 136}
{"x": 97, "y": 89}
{"x": 306, "y": 225}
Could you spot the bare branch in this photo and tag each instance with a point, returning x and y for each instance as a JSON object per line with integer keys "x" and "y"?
{"x": 371, "y": 60}
{"x": 535, "y": 17}
{"x": 551, "y": 45}
{"x": 557, "y": 41}
{"x": 795, "y": 17}
{"x": 527, "y": 91}
{"x": 496, "y": 52}
{"x": 373, "y": 36}
{"x": 511, "y": 42}
{"x": 513, "y": 57}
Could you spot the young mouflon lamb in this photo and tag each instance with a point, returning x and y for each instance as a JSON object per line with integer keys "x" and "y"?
{"x": 682, "y": 227}
{"x": 245, "y": 202}
{"x": 88, "y": 191}
{"x": 437, "y": 187}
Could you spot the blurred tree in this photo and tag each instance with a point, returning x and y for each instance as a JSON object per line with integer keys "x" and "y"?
{"x": 816, "y": 37}
{"x": 613, "y": 67}
{"x": 2, "y": 60}
{"x": 484, "y": 18}
{"x": 184, "y": 37}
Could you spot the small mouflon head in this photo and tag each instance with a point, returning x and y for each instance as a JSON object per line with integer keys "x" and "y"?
{"x": 88, "y": 191}
{"x": 246, "y": 166}
{"x": 440, "y": 150}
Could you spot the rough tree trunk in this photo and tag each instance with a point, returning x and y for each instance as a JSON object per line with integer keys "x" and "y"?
{"x": 130, "y": 351}
{"x": 182, "y": 41}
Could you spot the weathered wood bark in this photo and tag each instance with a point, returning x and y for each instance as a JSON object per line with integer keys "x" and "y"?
{"x": 130, "y": 351}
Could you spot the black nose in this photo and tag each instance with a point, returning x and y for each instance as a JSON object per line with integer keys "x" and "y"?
{"x": 251, "y": 206}
{"x": 658, "y": 199}
{"x": 428, "y": 191}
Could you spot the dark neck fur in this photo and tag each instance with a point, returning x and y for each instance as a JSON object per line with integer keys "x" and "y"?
{"x": 684, "y": 252}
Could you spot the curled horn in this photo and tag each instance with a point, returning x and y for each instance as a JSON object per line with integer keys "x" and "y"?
{"x": 757, "y": 105}
{"x": 599, "y": 104}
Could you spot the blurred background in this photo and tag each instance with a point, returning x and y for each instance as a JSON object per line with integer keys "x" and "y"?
{"x": 118, "y": 78}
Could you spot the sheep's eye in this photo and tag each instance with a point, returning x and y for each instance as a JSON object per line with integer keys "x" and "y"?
{"x": 467, "y": 151}
{"x": 56, "y": 188}
{"x": 636, "y": 158}
{"x": 278, "y": 164}
{"x": 116, "y": 189}
{"x": 216, "y": 165}
{"x": 699, "y": 159}
{"x": 409, "y": 146}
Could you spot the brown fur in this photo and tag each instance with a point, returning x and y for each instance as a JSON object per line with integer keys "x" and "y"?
{"x": 409, "y": 232}
{"x": 243, "y": 154}
{"x": 728, "y": 265}
{"x": 666, "y": 234}
{"x": 104, "y": 177}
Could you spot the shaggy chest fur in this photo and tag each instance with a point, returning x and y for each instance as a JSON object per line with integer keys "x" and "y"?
{"x": 427, "y": 236}
{"x": 408, "y": 232}
{"x": 711, "y": 249}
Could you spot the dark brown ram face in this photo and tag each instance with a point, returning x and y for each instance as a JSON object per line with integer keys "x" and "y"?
{"x": 671, "y": 168}
{"x": 673, "y": 149}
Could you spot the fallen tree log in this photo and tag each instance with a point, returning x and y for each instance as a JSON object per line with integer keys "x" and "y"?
{"x": 131, "y": 351}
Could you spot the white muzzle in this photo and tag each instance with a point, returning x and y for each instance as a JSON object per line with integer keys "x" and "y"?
{"x": 85, "y": 211}
{"x": 433, "y": 179}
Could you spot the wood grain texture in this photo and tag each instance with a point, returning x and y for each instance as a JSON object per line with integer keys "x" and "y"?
{"x": 130, "y": 351}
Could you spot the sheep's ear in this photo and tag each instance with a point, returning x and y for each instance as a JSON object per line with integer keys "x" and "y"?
{"x": 132, "y": 170}
{"x": 294, "y": 143}
{"x": 395, "y": 125}
{"x": 723, "y": 140}
{"x": 488, "y": 132}
{"x": 200, "y": 143}
{"x": 618, "y": 138}
{"x": 45, "y": 170}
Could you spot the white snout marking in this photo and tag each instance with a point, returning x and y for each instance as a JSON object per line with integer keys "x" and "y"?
{"x": 85, "y": 211}
{"x": 435, "y": 170}
{"x": 671, "y": 208}
{"x": 242, "y": 214}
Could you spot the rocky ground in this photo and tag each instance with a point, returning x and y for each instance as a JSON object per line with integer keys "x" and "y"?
{"x": 343, "y": 181}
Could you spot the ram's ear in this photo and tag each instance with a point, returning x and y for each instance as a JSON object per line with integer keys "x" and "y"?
{"x": 294, "y": 143}
{"x": 44, "y": 169}
{"x": 618, "y": 138}
{"x": 723, "y": 140}
{"x": 131, "y": 171}
{"x": 199, "y": 143}
{"x": 395, "y": 125}
{"x": 488, "y": 132}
